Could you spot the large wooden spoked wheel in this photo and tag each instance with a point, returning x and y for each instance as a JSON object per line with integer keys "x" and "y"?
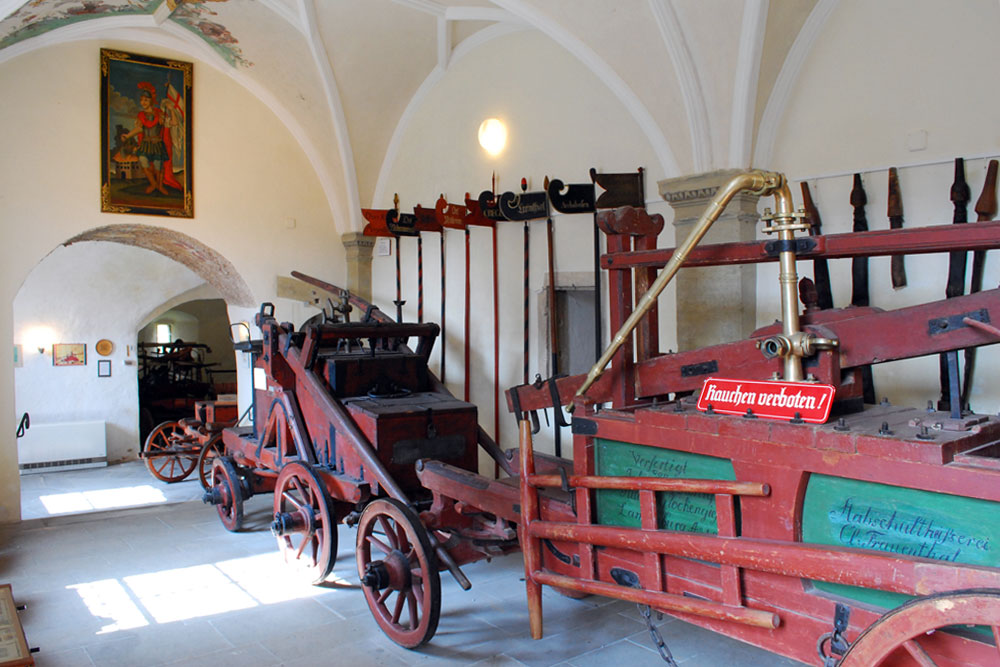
{"x": 304, "y": 523}
{"x": 399, "y": 572}
{"x": 228, "y": 491}
{"x": 209, "y": 451}
{"x": 908, "y": 635}
{"x": 167, "y": 467}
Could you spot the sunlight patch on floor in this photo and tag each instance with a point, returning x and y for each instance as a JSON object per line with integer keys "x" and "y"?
{"x": 108, "y": 599}
{"x": 180, "y": 594}
{"x": 188, "y": 592}
{"x": 102, "y": 499}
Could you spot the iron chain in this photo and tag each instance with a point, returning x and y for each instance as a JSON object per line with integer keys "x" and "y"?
{"x": 661, "y": 645}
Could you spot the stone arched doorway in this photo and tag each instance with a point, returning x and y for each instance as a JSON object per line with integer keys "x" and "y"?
{"x": 103, "y": 285}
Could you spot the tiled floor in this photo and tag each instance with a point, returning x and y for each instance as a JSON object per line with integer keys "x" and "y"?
{"x": 167, "y": 585}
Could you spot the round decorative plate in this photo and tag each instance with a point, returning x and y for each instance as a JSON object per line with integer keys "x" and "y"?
{"x": 104, "y": 347}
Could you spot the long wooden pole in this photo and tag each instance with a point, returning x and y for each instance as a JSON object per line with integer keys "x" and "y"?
{"x": 468, "y": 320}
{"x": 553, "y": 325}
{"x": 859, "y": 277}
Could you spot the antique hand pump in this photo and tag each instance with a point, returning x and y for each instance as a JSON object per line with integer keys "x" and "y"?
{"x": 791, "y": 344}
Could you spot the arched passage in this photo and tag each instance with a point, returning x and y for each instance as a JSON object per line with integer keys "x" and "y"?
{"x": 106, "y": 289}
{"x": 202, "y": 260}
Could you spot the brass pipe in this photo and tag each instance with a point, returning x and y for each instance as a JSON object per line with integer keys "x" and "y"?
{"x": 784, "y": 220}
{"x": 758, "y": 182}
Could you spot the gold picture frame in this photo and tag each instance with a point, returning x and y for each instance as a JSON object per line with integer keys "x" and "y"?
{"x": 146, "y": 135}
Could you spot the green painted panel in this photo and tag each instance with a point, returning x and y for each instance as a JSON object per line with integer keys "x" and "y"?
{"x": 691, "y": 512}
{"x": 867, "y": 515}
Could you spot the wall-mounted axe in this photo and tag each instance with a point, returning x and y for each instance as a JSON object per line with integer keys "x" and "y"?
{"x": 986, "y": 208}
{"x": 449, "y": 216}
{"x": 951, "y": 398}
{"x": 821, "y": 271}
{"x": 894, "y": 209}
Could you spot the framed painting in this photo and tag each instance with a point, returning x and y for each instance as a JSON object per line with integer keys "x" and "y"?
{"x": 146, "y": 147}
{"x": 69, "y": 354}
{"x": 103, "y": 368}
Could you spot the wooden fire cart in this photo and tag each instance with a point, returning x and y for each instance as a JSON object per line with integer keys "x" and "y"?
{"x": 175, "y": 449}
{"x": 716, "y": 488}
{"x": 351, "y": 426}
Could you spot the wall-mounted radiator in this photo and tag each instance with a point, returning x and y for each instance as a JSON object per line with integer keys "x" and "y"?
{"x": 65, "y": 446}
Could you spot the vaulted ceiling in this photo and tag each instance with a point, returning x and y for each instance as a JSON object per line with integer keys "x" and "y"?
{"x": 704, "y": 79}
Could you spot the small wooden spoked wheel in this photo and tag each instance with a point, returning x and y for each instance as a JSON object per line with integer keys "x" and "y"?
{"x": 209, "y": 451}
{"x": 168, "y": 467}
{"x": 933, "y": 630}
{"x": 399, "y": 572}
{"x": 303, "y": 522}
{"x": 227, "y": 490}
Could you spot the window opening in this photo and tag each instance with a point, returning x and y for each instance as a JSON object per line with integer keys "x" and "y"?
{"x": 575, "y": 329}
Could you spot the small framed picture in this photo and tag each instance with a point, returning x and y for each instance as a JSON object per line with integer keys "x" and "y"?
{"x": 69, "y": 354}
{"x": 103, "y": 368}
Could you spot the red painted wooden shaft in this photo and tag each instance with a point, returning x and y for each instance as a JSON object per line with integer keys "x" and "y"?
{"x": 874, "y": 243}
{"x": 856, "y": 567}
{"x": 982, "y": 326}
{"x": 444, "y": 330}
{"x": 527, "y": 295}
{"x": 665, "y": 601}
{"x": 468, "y": 316}
{"x": 420, "y": 278}
{"x": 531, "y": 547}
{"x": 653, "y": 484}
{"x": 399, "y": 285}
{"x": 496, "y": 345}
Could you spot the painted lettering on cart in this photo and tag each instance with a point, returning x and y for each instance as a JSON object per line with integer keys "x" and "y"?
{"x": 904, "y": 533}
{"x": 688, "y": 512}
{"x": 656, "y": 467}
{"x": 911, "y": 523}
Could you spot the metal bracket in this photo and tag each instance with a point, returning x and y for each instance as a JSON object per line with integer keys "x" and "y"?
{"x": 837, "y": 642}
{"x": 940, "y": 325}
{"x": 557, "y": 411}
{"x": 798, "y": 246}
{"x": 703, "y": 368}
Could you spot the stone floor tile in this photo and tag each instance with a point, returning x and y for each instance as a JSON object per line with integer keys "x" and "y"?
{"x": 250, "y": 655}
{"x": 621, "y": 652}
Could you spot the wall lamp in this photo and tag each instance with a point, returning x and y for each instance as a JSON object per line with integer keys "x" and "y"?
{"x": 493, "y": 136}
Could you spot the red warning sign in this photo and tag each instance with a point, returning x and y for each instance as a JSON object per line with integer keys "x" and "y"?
{"x": 771, "y": 399}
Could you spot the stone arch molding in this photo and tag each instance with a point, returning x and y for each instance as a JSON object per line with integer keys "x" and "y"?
{"x": 217, "y": 271}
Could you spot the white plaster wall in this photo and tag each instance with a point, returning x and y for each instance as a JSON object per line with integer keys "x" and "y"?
{"x": 561, "y": 121}
{"x": 257, "y": 200}
{"x": 862, "y": 90}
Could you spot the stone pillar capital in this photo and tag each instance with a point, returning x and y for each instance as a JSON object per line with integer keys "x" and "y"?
{"x": 359, "y": 249}
{"x": 715, "y": 304}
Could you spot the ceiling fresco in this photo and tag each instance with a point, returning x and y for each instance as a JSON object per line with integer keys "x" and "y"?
{"x": 41, "y": 16}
